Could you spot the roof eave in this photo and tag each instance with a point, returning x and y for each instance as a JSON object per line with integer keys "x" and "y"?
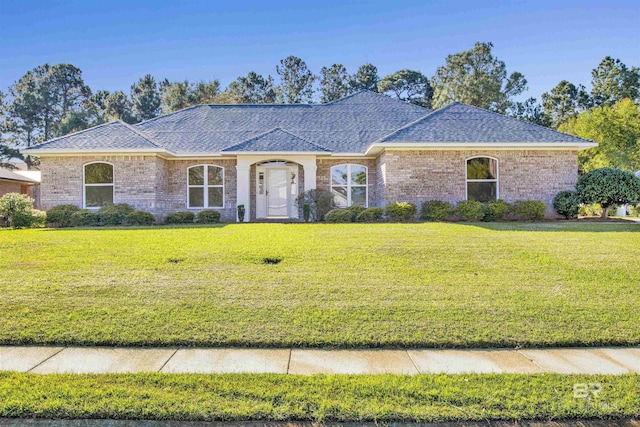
{"x": 378, "y": 147}
{"x": 33, "y": 151}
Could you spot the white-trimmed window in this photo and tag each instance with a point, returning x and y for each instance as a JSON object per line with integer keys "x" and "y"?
{"x": 205, "y": 186}
{"x": 349, "y": 185}
{"x": 98, "y": 184}
{"x": 482, "y": 179}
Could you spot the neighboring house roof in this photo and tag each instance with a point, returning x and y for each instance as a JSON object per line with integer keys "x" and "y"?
{"x": 276, "y": 140}
{"x": 7, "y": 175}
{"x": 458, "y": 122}
{"x": 348, "y": 125}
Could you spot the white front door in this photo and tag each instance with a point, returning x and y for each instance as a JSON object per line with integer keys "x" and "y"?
{"x": 277, "y": 193}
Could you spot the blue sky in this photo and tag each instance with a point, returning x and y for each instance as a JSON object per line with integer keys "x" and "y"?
{"x": 116, "y": 42}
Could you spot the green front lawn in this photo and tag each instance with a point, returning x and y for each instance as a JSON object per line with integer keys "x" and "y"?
{"x": 316, "y": 398}
{"x": 370, "y": 285}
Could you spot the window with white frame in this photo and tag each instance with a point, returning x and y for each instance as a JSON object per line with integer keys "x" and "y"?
{"x": 98, "y": 184}
{"x": 205, "y": 186}
{"x": 349, "y": 185}
{"x": 482, "y": 179}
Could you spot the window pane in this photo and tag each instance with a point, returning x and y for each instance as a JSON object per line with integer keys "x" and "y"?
{"x": 215, "y": 197}
{"x": 359, "y": 196}
{"x": 98, "y": 196}
{"x": 98, "y": 173}
{"x": 358, "y": 175}
{"x": 196, "y": 197}
{"x": 481, "y": 191}
{"x": 215, "y": 175}
{"x": 339, "y": 175}
{"x": 482, "y": 168}
{"x": 340, "y": 196}
{"x": 196, "y": 175}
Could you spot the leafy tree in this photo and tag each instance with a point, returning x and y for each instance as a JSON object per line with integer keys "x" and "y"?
{"x": 253, "y": 89}
{"x": 145, "y": 98}
{"x": 118, "y": 107}
{"x": 6, "y": 152}
{"x": 179, "y": 95}
{"x": 68, "y": 83}
{"x": 296, "y": 85}
{"x": 409, "y": 86}
{"x": 475, "y": 77}
{"x": 608, "y": 187}
{"x": 613, "y": 81}
{"x": 529, "y": 111}
{"x": 617, "y": 130}
{"x": 204, "y": 92}
{"x": 334, "y": 83}
{"x": 366, "y": 78}
{"x": 564, "y": 101}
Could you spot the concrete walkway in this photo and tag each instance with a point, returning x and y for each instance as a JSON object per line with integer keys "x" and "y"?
{"x": 100, "y": 360}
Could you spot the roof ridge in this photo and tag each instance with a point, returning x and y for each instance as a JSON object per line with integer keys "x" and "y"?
{"x": 408, "y": 125}
{"x": 277, "y": 128}
{"x": 40, "y": 144}
{"x": 169, "y": 114}
{"x": 140, "y": 133}
{"x": 301, "y": 138}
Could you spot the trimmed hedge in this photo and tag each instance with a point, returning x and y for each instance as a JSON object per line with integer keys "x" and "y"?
{"x": 84, "y": 218}
{"x": 400, "y": 211}
{"x": 140, "y": 218}
{"x": 495, "y": 210}
{"x": 371, "y": 215}
{"x": 567, "y": 204}
{"x": 435, "y": 210}
{"x": 529, "y": 210}
{"x": 470, "y": 210}
{"x": 338, "y": 215}
{"x": 180, "y": 218}
{"x": 355, "y": 211}
{"x": 208, "y": 217}
{"x": 61, "y": 215}
{"x": 115, "y": 214}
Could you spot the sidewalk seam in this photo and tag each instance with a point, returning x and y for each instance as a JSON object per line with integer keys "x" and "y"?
{"x": 167, "y": 361}
{"x": 56, "y": 353}
{"x": 542, "y": 368}
{"x": 289, "y": 361}
{"x": 413, "y": 362}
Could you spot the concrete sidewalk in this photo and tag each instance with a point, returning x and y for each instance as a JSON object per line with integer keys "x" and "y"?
{"x": 101, "y": 360}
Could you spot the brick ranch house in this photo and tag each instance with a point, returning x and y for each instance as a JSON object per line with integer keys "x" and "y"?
{"x": 366, "y": 148}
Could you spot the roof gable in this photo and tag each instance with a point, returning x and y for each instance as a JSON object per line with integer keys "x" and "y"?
{"x": 275, "y": 140}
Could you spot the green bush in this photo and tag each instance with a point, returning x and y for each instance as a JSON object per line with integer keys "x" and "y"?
{"x": 567, "y": 204}
{"x": 470, "y": 210}
{"x": 495, "y": 210}
{"x": 60, "y": 216}
{"x": 140, "y": 218}
{"x": 371, "y": 215}
{"x": 115, "y": 214}
{"x": 590, "y": 210}
{"x": 435, "y": 210}
{"x": 608, "y": 187}
{"x": 634, "y": 211}
{"x": 208, "y": 217}
{"x": 84, "y": 218}
{"x": 529, "y": 210}
{"x": 338, "y": 215}
{"x": 179, "y": 218}
{"x": 400, "y": 211}
{"x": 355, "y": 211}
{"x": 32, "y": 218}
{"x": 18, "y": 208}
{"x": 320, "y": 202}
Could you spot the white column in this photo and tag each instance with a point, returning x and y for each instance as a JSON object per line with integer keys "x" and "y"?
{"x": 310, "y": 171}
{"x": 243, "y": 186}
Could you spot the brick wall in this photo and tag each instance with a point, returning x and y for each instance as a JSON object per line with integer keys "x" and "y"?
{"x": 10, "y": 187}
{"x": 416, "y": 176}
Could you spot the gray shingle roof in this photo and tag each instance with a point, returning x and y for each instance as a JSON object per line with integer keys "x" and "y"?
{"x": 459, "y": 122}
{"x": 348, "y": 125}
{"x": 276, "y": 140}
{"x": 7, "y": 175}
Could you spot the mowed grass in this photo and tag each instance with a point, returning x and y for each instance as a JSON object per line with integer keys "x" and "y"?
{"x": 356, "y": 285}
{"x": 316, "y": 398}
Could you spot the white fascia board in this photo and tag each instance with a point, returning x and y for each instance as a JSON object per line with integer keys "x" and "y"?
{"x": 278, "y": 153}
{"x": 375, "y": 148}
{"x": 73, "y": 152}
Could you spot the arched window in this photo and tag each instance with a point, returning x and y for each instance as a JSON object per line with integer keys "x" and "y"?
{"x": 98, "y": 184}
{"x": 349, "y": 185}
{"x": 482, "y": 179}
{"x": 205, "y": 187}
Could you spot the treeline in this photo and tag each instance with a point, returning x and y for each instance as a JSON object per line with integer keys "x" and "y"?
{"x": 51, "y": 101}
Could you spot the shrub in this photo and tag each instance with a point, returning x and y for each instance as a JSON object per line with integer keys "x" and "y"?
{"x": 31, "y": 218}
{"x": 608, "y": 187}
{"x": 306, "y": 211}
{"x": 241, "y": 211}
{"x": 529, "y": 210}
{"x": 115, "y": 214}
{"x": 435, "y": 210}
{"x": 84, "y": 218}
{"x": 208, "y": 217}
{"x": 470, "y": 210}
{"x": 633, "y": 210}
{"x": 355, "y": 211}
{"x": 371, "y": 215}
{"x": 495, "y": 210}
{"x": 567, "y": 204}
{"x": 179, "y": 218}
{"x": 18, "y": 208}
{"x": 60, "y": 216}
{"x": 590, "y": 210}
{"x": 400, "y": 211}
{"x": 320, "y": 202}
{"x": 140, "y": 218}
{"x": 338, "y": 215}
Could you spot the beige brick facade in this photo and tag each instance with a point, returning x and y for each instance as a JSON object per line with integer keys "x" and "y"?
{"x": 160, "y": 186}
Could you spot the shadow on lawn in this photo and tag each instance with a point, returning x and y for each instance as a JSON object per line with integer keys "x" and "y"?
{"x": 558, "y": 226}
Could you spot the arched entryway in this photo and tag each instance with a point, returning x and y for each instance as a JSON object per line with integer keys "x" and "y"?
{"x": 277, "y": 185}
